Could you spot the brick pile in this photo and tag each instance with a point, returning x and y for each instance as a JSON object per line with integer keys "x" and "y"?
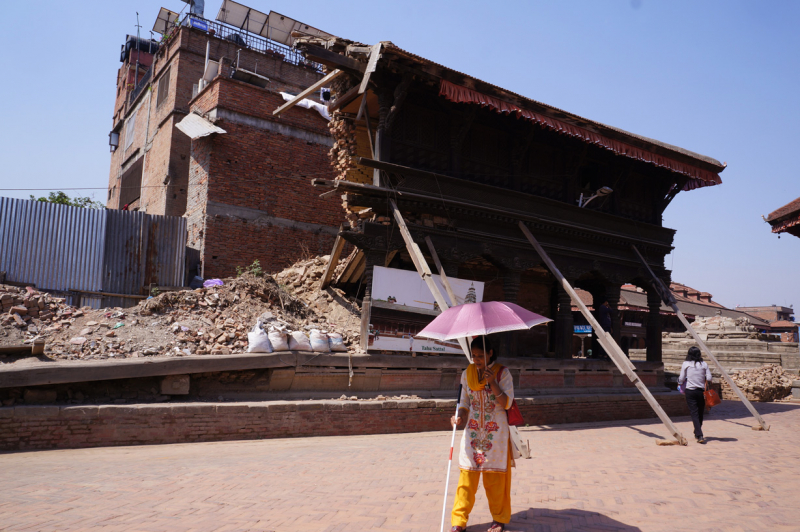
{"x": 767, "y": 383}
{"x": 28, "y": 310}
{"x": 204, "y": 321}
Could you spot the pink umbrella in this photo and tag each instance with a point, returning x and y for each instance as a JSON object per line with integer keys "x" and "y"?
{"x": 475, "y": 319}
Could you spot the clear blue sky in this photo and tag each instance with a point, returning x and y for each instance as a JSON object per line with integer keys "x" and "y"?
{"x": 716, "y": 77}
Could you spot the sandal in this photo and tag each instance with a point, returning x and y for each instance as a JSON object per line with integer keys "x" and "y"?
{"x": 497, "y": 527}
{"x": 457, "y": 529}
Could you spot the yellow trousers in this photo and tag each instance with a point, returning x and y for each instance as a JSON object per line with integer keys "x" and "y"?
{"x": 498, "y": 493}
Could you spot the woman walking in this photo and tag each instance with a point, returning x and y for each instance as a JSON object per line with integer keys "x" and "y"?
{"x": 693, "y": 378}
{"x": 488, "y": 390}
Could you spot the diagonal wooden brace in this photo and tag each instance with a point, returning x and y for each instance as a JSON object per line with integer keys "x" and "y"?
{"x": 422, "y": 267}
{"x": 669, "y": 299}
{"x": 622, "y": 362}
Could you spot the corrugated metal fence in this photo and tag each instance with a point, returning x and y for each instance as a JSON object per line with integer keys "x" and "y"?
{"x": 63, "y": 249}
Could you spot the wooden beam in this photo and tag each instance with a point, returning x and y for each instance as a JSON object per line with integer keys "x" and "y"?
{"x": 344, "y": 99}
{"x": 422, "y": 266}
{"x": 338, "y": 246}
{"x": 669, "y": 299}
{"x": 333, "y": 60}
{"x": 364, "y": 109}
{"x": 351, "y": 267}
{"x": 511, "y": 213}
{"x": 440, "y": 269}
{"x": 446, "y": 283}
{"x": 107, "y": 294}
{"x": 619, "y": 358}
{"x": 372, "y": 64}
{"x": 297, "y": 99}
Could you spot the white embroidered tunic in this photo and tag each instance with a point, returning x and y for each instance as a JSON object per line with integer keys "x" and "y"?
{"x": 484, "y": 443}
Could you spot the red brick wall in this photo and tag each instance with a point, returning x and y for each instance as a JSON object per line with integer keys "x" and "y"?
{"x": 53, "y": 427}
{"x": 230, "y": 242}
{"x": 257, "y": 169}
{"x": 169, "y": 152}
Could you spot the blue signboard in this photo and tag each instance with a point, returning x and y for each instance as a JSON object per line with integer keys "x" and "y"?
{"x": 199, "y": 24}
{"x": 583, "y": 329}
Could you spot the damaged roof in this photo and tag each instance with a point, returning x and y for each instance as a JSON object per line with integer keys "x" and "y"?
{"x": 701, "y": 170}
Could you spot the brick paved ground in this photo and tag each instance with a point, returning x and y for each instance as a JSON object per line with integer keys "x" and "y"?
{"x": 588, "y": 477}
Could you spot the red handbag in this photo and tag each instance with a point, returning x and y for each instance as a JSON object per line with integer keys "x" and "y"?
{"x": 711, "y": 396}
{"x": 513, "y": 413}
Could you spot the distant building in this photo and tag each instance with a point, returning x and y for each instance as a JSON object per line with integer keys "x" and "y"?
{"x": 770, "y": 313}
{"x": 780, "y": 319}
{"x": 193, "y": 134}
{"x": 693, "y": 303}
{"x": 786, "y": 219}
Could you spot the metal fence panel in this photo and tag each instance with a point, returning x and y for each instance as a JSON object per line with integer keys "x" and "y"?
{"x": 61, "y": 249}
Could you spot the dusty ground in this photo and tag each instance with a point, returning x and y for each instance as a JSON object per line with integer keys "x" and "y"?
{"x": 212, "y": 320}
{"x": 590, "y": 477}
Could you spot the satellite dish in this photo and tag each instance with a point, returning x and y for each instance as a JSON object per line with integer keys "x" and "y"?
{"x": 165, "y": 21}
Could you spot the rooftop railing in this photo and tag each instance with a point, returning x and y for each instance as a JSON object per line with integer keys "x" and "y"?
{"x": 249, "y": 41}
{"x": 242, "y": 38}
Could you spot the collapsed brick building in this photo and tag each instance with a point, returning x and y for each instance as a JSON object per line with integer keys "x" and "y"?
{"x": 242, "y": 181}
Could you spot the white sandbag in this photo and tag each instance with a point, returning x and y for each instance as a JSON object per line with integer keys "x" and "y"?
{"x": 336, "y": 342}
{"x": 278, "y": 339}
{"x": 298, "y": 341}
{"x": 258, "y": 341}
{"x": 319, "y": 342}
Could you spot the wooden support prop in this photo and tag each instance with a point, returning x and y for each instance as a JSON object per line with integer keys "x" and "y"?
{"x": 362, "y": 109}
{"x": 669, "y": 299}
{"x": 338, "y": 245}
{"x": 372, "y": 64}
{"x": 421, "y": 265}
{"x": 333, "y": 59}
{"x": 622, "y": 362}
{"x": 446, "y": 282}
{"x": 297, "y": 99}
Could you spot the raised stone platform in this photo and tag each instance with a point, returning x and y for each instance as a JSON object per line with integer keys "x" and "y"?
{"x": 292, "y": 375}
{"x": 53, "y": 426}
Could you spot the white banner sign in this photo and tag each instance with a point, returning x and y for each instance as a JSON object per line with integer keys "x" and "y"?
{"x": 405, "y": 291}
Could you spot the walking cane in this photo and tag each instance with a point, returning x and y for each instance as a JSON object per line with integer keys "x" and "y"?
{"x": 450, "y": 462}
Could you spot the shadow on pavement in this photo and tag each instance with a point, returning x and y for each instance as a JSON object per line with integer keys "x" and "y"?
{"x": 572, "y": 520}
{"x": 646, "y": 433}
{"x": 711, "y": 438}
{"x": 727, "y": 412}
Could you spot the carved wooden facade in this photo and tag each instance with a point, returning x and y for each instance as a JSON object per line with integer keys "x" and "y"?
{"x": 465, "y": 173}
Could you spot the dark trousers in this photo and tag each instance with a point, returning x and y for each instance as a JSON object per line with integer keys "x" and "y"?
{"x": 697, "y": 405}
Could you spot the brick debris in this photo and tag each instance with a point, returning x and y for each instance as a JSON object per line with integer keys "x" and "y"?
{"x": 203, "y": 321}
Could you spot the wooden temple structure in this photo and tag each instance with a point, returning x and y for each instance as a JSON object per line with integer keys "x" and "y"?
{"x": 466, "y": 161}
{"x": 786, "y": 219}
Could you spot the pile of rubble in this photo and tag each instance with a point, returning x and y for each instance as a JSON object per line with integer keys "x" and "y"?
{"x": 767, "y": 383}
{"x": 29, "y": 312}
{"x": 203, "y": 321}
{"x": 379, "y": 398}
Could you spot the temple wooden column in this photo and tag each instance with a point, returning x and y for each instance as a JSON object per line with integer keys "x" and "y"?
{"x": 509, "y": 346}
{"x": 613, "y": 295}
{"x": 653, "y": 340}
{"x": 565, "y": 325}
{"x": 371, "y": 258}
